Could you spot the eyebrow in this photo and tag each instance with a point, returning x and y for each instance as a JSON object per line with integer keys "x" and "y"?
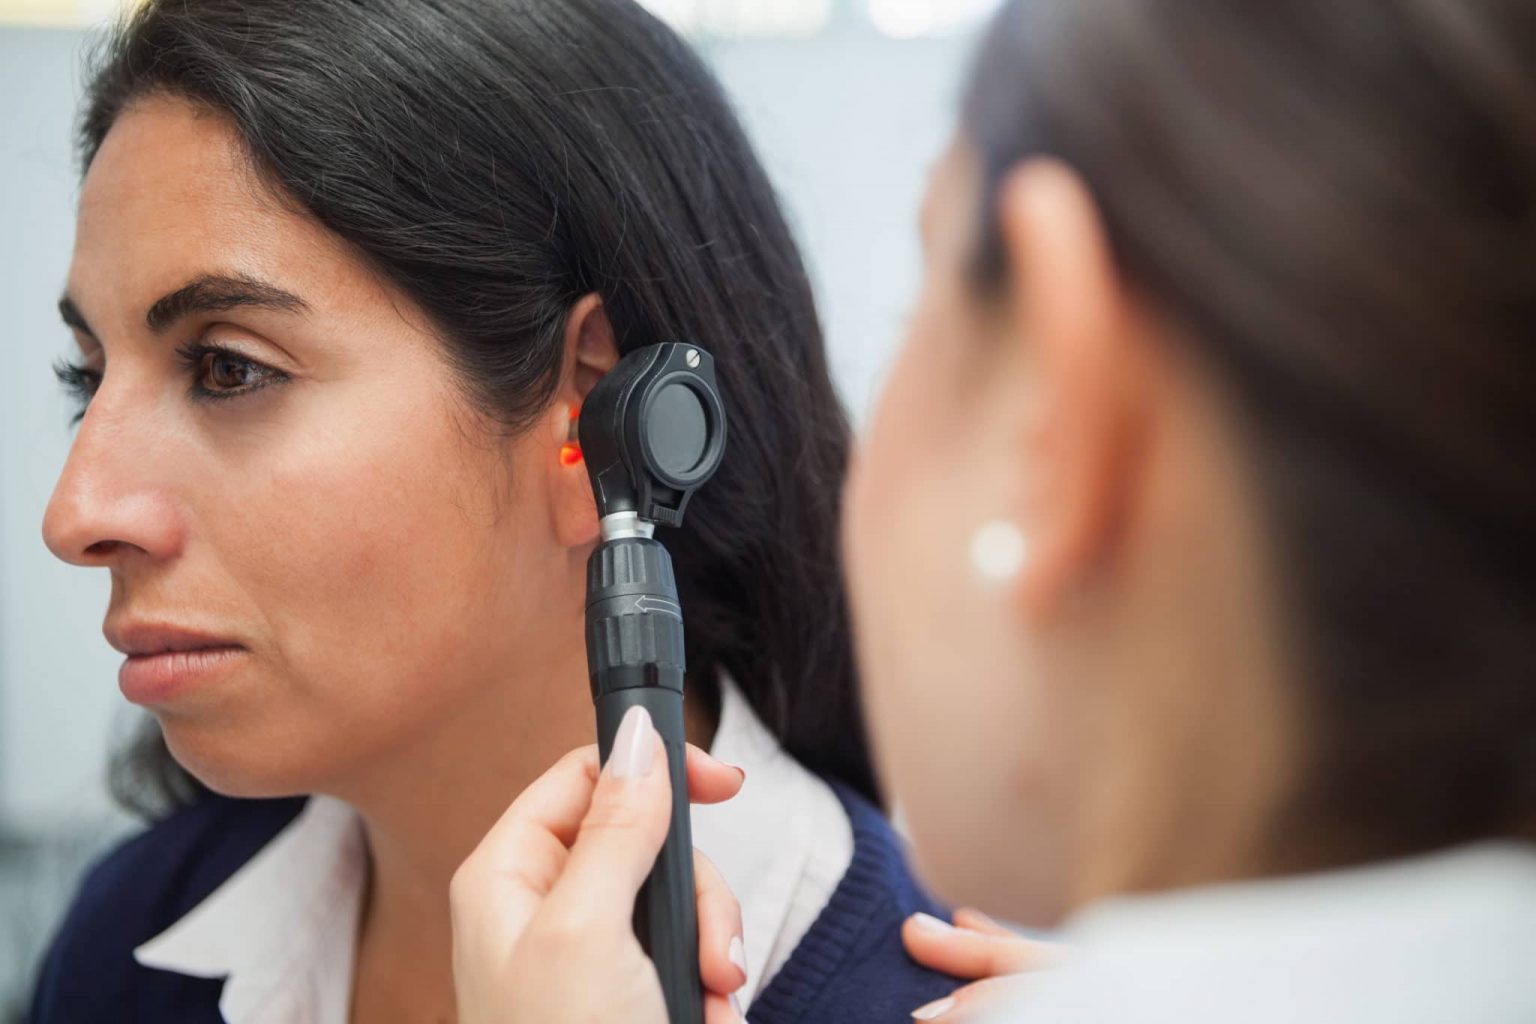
{"x": 73, "y": 318}
{"x": 209, "y": 293}
{"x": 215, "y": 293}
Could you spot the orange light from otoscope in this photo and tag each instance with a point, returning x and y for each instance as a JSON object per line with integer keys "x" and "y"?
{"x": 570, "y": 452}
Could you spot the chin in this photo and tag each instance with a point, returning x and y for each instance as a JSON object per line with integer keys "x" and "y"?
{"x": 240, "y": 765}
{"x": 992, "y": 877}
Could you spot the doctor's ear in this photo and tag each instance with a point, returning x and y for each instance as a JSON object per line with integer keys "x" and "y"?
{"x": 1088, "y": 375}
{"x": 590, "y": 353}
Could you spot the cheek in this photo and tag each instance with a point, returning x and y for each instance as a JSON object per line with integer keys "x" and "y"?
{"x": 896, "y": 463}
{"x": 909, "y": 509}
{"x": 371, "y": 550}
{"x": 943, "y": 662}
{"x": 373, "y": 558}
{"x": 884, "y": 529}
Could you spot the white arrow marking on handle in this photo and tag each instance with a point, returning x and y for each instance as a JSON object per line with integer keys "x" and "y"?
{"x": 657, "y": 604}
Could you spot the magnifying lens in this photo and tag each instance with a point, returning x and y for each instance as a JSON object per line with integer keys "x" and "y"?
{"x": 652, "y": 432}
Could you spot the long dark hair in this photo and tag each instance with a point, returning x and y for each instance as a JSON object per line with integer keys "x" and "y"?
{"x": 1337, "y": 202}
{"x": 498, "y": 159}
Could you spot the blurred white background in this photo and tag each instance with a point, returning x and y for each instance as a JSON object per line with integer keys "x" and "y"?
{"x": 848, "y": 100}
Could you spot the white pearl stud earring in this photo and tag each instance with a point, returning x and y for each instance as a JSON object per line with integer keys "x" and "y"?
{"x": 998, "y": 551}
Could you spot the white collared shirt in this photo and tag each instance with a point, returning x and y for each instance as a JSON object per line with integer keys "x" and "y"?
{"x": 1446, "y": 938}
{"x": 282, "y": 929}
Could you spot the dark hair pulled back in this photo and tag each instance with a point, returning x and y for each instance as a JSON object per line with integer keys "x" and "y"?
{"x": 496, "y": 160}
{"x": 1336, "y": 202}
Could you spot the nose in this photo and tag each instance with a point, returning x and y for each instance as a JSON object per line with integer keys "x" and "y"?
{"x": 108, "y": 508}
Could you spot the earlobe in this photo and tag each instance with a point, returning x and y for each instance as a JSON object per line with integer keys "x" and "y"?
{"x": 574, "y": 508}
{"x": 590, "y": 353}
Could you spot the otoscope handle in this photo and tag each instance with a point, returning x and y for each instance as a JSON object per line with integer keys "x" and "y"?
{"x": 635, "y": 657}
{"x": 665, "y": 915}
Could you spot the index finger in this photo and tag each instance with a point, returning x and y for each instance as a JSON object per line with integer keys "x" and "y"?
{"x": 558, "y": 800}
{"x": 518, "y": 862}
{"x": 964, "y": 953}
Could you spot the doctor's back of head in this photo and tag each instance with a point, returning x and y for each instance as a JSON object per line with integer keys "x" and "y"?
{"x": 1193, "y": 547}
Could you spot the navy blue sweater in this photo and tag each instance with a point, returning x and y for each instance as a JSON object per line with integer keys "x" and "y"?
{"x": 850, "y": 966}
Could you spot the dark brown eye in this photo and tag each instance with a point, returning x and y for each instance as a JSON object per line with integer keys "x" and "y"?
{"x": 218, "y": 373}
{"x": 223, "y": 371}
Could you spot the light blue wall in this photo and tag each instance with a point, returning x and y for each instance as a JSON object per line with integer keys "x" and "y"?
{"x": 848, "y": 124}
{"x": 58, "y": 694}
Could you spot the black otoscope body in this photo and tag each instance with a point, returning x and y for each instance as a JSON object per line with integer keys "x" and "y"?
{"x": 651, "y": 432}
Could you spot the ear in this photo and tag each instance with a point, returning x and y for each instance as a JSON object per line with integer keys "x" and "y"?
{"x": 1071, "y": 310}
{"x": 590, "y": 352}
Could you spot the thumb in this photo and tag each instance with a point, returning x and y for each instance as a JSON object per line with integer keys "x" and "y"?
{"x": 624, "y": 828}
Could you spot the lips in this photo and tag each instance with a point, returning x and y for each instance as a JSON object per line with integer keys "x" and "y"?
{"x": 166, "y": 661}
{"x": 142, "y": 639}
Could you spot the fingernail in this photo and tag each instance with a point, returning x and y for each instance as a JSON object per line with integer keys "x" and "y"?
{"x": 929, "y": 923}
{"x": 634, "y": 748}
{"x": 984, "y": 917}
{"x": 738, "y": 769}
{"x": 736, "y": 1008}
{"x": 935, "y": 1010}
{"x": 737, "y": 954}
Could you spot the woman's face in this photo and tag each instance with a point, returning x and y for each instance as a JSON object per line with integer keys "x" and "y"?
{"x": 277, "y": 463}
{"x": 1032, "y": 708}
{"x": 952, "y": 714}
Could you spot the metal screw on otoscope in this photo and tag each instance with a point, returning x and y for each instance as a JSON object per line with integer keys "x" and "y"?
{"x": 651, "y": 432}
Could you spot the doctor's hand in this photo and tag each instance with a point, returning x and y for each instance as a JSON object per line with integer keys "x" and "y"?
{"x": 978, "y": 949}
{"x": 542, "y": 909}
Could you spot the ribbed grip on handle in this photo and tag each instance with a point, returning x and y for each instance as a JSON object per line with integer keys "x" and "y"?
{"x": 634, "y": 622}
{"x": 631, "y": 562}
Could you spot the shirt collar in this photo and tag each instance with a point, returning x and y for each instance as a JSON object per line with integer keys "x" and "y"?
{"x": 280, "y": 924}
{"x": 282, "y": 929}
{"x": 781, "y": 844}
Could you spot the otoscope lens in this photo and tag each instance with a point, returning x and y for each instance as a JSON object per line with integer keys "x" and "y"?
{"x": 677, "y": 429}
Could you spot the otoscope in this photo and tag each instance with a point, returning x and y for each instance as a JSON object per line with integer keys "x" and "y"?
{"x": 652, "y": 431}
